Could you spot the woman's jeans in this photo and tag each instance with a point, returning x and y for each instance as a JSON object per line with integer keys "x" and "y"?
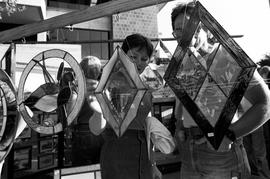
{"x": 125, "y": 157}
{"x": 199, "y": 161}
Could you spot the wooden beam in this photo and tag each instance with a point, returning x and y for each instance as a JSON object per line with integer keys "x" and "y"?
{"x": 93, "y": 12}
{"x": 101, "y": 41}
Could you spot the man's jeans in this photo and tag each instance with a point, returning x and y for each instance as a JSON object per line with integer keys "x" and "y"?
{"x": 256, "y": 149}
{"x": 201, "y": 162}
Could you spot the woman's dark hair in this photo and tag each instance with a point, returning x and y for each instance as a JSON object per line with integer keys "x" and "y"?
{"x": 137, "y": 40}
{"x": 181, "y": 9}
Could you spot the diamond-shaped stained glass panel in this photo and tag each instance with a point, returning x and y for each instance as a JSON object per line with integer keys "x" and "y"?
{"x": 210, "y": 100}
{"x": 224, "y": 70}
{"x": 227, "y": 74}
{"x": 191, "y": 74}
{"x": 120, "y": 91}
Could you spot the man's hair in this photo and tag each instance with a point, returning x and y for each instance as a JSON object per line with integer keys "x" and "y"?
{"x": 91, "y": 67}
{"x": 264, "y": 65}
{"x": 265, "y": 61}
{"x": 182, "y": 8}
{"x": 137, "y": 40}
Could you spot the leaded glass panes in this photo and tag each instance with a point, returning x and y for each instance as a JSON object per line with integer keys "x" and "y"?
{"x": 120, "y": 91}
{"x": 209, "y": 73}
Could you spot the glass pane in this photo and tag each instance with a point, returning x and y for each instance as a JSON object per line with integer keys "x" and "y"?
{"x": 210, "y": 100}
{"x": 120, "y": 91}
{"x": 191, "y": 75}
{"x": 224, "y": 70}
{"x": 42, "y": 90}
{"x": 54, "y": 53}
{"x": 203, "y": 45}
{"x": 152, "y": 78}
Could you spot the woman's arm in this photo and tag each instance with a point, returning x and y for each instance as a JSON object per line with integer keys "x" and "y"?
{"x": 97, "y": 123}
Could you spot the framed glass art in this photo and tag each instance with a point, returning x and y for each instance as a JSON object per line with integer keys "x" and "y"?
{"x": 120, "y": 91}
{"x": 209, "y": 78}
{"x": 161, "y": 60}
{"x": 53, "y": 91}
{"x": 8, "y": 114}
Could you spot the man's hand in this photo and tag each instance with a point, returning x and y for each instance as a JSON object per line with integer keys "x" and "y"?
{"x": 179, "y": 136}
{"x": 225, "y": 145}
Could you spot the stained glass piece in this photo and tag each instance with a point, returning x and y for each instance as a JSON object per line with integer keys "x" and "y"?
{"x": 151, "y": 78}
{"x": 191, "y": 75}
{"x": 54, "y": 53}
{"x": 161, "y": 60}
{"x": 210, "y": 100}
{"x": 120, "y": 91}
{"x": 224, "y": 70}
{"x": 53, "y": 100}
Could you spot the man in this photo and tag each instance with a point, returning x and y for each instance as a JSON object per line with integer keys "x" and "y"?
{"x": 199, "y": 159}
{"x": 255, "y": 142}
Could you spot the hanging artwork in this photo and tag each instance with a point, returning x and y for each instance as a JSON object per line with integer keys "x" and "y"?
{"x": 8, "y": 125}
{"x": 60, "y": 90}
{"x": 120, "y": 91}
{"x": 160, "y": 61}
{"x": 209, "y": 73}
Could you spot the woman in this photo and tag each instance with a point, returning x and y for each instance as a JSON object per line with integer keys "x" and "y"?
{"x": 126, "y": 156}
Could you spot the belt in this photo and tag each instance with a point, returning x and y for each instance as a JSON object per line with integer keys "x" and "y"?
{"x": 81, "y": 128}
{"x": 109, "y": 132}
{"x": 193, "y": 132}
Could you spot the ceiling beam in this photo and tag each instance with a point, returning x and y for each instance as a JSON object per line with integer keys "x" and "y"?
{"x": 101, "y": 41}
{"x": 93, "y": 12}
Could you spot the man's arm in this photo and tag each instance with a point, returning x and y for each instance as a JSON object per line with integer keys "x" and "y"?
{"x": 179, "y": 133}
{"x": 258, "y": 95}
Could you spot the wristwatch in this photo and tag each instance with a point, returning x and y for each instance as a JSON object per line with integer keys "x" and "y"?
{"x": 231, "y": 135}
